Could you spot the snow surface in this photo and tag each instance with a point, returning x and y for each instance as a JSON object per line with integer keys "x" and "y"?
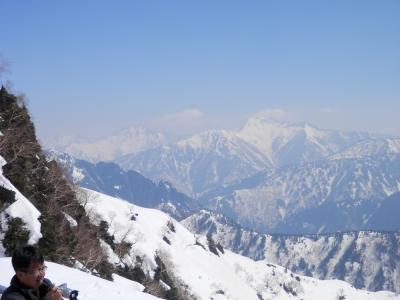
{"x": 368, "y": 260}
{"x": 89, "y": 287}
{"x": 207, "y": 275}
{"x": 370, "y": 148}
{"x": 21, "y": 208}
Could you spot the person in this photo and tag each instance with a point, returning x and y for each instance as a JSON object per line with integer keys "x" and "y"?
{"x": 29, "y": 282}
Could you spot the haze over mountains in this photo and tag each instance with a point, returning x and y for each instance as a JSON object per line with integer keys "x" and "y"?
{"x": 105, "y": 235}
{"x": 130, "y": 140}
{"x": 274, "y": 176}
{"x": 230, "y": 155}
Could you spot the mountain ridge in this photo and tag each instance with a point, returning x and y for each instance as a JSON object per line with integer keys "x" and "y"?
{"x": 284, "y": 199}
{"x": 110, "y": 179}
{"x": 342, "y": 255}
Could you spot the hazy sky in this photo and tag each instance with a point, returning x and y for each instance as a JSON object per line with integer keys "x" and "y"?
{"x": 91, "y": 68}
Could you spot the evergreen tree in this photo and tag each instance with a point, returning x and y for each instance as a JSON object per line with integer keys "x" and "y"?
{"x": 15, "y": 236}
{"x": 45, "y": 185}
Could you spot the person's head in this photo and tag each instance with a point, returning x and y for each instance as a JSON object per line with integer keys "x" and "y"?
{"x": 28, "y": 264}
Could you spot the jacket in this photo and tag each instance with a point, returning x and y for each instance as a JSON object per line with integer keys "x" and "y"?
{"x": 18, "y": 291}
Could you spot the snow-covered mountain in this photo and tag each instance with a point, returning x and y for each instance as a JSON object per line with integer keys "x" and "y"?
{"x": 366, "y": 259}
{"x": 374, "y": 147}
{"x": 185, "y": 265}
{"x": 215, "y": 159}
{"x": 322, "y": 196}
{"x": 108, "y": 178}
{"x": 131, "y": 140}
{"x": 199, "y": 268}
{"x": 200, "y": 163}
{"x": 104, "y": 235}
{"x": 286, "y": 143}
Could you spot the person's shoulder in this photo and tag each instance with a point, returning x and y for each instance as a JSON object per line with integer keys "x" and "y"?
{"x": 11, "y": 294}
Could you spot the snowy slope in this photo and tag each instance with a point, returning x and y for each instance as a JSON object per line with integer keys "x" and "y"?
{"x": 108, "y": 178}
{"x": 366, "y": 259}
{"x": 323, "y": 196}
{"x": 202, "y": 273}
{"x": 21, "y": 208}
{"x": 89, "y": 287}
{"x": 370, "y": 148}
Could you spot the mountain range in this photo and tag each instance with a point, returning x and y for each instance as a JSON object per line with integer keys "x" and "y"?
{"x": 110, "y": 179}
{"x": 273, "y": 177}
{"x": 199, "y": 268}
{"x": 106, "y": 236}
{"x": 366, "y": 259}
{"x": 146, "y": 243}
{"x": 296, "y": 143}
{"x": 214, "y": 159}
{"x": 330, "y": 195}
{"x": 199, "y": 163}
{"x": 130, "y": 140}
{"x": 202, "y": 162}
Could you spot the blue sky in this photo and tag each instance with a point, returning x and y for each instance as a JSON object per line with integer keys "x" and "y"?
{"x": 91, "y": 68}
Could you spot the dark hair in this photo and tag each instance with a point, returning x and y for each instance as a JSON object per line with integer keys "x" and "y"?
{"x": 24, "y": 256}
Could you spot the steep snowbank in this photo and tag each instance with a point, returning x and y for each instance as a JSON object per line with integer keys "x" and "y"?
{"x": 21, "y": 208}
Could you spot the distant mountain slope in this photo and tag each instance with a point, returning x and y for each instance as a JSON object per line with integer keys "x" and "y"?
{"x": 210, "y": 160}
{"x": 373, "y": 147}
{"x": 367, "y": 259}
{"x": 110, "y": 179}
{"x": 196, "y": 267}
{"x": 386, "y": 216}
{"x": 323, "y": 196}
{"x": 200, "y": 163}
{"x": 131, "y": 140}
{"x": 286, "y": 143}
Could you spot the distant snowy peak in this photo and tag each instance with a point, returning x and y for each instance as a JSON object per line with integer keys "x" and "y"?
{"x": 207, "y": 139}
{"x": 222, "y": 143}
{"x": 68, "y": 162}
{"x": 200, "y": 163}
{"x": 267, "y": 135}
{"x": 286, "y": 143}
{"x": 370, "y": 148}
{"x": 64, "y": 158}
{"x": 131, "y": 140}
